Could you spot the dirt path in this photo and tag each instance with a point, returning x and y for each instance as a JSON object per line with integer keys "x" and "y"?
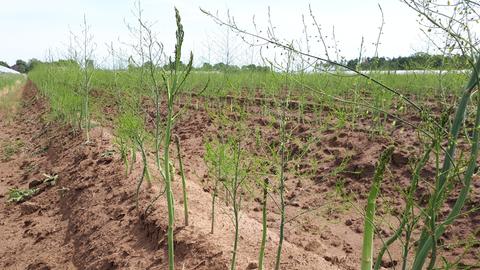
{"x": 87, "y": 218}
{"x": 31, "y": 233}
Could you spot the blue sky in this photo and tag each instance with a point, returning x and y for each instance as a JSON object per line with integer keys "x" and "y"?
{"x": 37, "y": 29}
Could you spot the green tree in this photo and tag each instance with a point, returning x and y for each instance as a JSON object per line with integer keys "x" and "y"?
{"x": 32, "y": 63}
{"x": 20, "y": 66}
{"x": 206, "y": 67}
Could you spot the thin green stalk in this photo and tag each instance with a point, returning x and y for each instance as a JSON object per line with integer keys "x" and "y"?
{"x": 236, "y": 207}
{"x": 168, "y": 187}
{"x": 237, "y": 231}
{"x": 184, "y": 185}
{"x": 408, "y": 208}
{"x": 215, "y": 189}
{"x": 157, "y": 127}
{"x": 212, "y": 214}
{"x": 433, "y": 216}
{"x": 134, "y": 158}
{"x": 144, "y": 160}
{"x": 261, "y": 255}
{"x": 124, "y": 154}
{"x": 281, "y": 191}
{"x": 369, "y": 227}
{"x": 406, "y": 246}
{"x": 283, "y": 161}
{"x": 145, "y": 169}
{"x": 156, "y": 91}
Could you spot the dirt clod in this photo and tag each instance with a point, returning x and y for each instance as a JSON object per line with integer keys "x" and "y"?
{"x": 252, "y": 265}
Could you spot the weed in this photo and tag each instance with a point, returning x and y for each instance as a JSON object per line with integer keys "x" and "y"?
{"x": 50, "y": 179}
{"x": 9, "y": 149}
{"x": 19, "y": 195}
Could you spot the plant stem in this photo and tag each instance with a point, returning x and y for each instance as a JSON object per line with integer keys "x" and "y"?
{"x": 236, "y": 206}
{"x": 369, "y": 227}
{"x": 261, "y": 256}
{"x": 408, "y": 208}
{"x": 184, "y": 185}
{"x": 282, "y": 190}
{"x": 168, "y": 187}
{"x": 212, "y": 215}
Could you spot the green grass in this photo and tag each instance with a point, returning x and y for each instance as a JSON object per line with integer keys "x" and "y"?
{"x": 60, "y": 83}
{"x": 10, "y": 93}
{"x": 11, "y": 148}
{"x": 267, "y": 83}
{"x": 7, "y": 79}
{"x": 270, "y": 84}
{"x": 20, "y": 195}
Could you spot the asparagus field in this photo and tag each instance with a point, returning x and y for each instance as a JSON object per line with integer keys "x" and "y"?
{"x": 309, "y": 163}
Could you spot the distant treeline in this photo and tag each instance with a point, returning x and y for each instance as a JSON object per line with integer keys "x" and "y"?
{"x": 417, "y": 61}
{"x": 22, "y": 66}
{"x": 225, "y": 67}
{"x": 216, "y": 67}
